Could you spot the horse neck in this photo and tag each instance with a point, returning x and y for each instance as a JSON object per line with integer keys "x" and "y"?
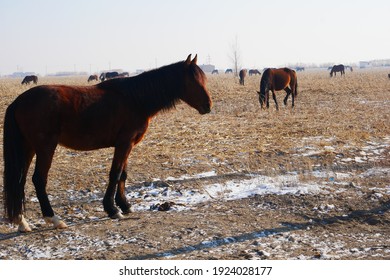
{"x": 156, "y": 90}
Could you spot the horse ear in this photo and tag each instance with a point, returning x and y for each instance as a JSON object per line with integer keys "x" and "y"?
{"x": 188, "y": 60}
{"x": 195, "y": 60}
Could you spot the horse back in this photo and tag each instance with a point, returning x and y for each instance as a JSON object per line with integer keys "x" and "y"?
{"x": 81, "y": 118}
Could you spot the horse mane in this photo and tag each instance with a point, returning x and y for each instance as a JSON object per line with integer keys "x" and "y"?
{"x": 157, "y": 89}
{"x": 264, "y": 80}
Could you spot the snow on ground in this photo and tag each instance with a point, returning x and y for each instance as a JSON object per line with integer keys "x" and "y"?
{"x": 229, "y": 190}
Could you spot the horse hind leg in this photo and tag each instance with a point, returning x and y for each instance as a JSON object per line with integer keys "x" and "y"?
{"x": 42, "y": 166}
{"x": 116, "y": 183}
{"x": 288, "y": 92}
{"x": 120, "y": 196}
{"x": 23, "y": 224}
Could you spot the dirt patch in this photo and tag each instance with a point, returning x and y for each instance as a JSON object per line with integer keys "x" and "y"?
{"x": 315, "y": 179}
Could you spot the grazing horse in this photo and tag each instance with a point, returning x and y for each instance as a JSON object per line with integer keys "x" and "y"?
{"x": 28, "y": 79}
{"x": 123, "y": 74}
{"x": 254, "y": 72}
{"x": 337, "y": 68}
{"x": 115, "y": 113}
{"x": 275, "y": 80}
{"x": 242, "y": 76}
{"x": 299, "y": 68}
{"x": 108, "y": 75}
{"x": 228, "y": 71}
{"x": 92, "y": 78}
{"x": 215, "y": 71}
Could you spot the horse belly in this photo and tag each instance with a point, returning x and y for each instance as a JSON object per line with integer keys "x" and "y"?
{"x": 84, "y": 137}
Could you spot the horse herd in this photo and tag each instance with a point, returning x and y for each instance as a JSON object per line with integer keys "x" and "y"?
{"x": 114, "y": 113}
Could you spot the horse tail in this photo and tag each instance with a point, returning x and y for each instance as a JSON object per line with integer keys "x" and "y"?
{"x": 14, "y": 165}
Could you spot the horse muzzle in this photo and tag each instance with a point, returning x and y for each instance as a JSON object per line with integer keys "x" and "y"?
{"x": 204, "y": 110}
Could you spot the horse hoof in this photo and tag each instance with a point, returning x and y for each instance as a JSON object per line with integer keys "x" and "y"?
{"x": 23, "y": 225}
{"x": 58, "y": 224}
{"x": 118, "y": 216}
{"x": 128, "y": 211}
{"x": 24, "y": 228}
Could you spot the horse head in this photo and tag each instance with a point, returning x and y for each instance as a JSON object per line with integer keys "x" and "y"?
{"x": 195, "y": 93}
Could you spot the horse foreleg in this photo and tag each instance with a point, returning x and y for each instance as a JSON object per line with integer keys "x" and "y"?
{"x": 267, "y": 98}
{"x": 276, "y": 102}
{"x": 42, "y": 166}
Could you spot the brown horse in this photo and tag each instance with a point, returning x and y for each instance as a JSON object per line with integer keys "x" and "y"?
{"x": 28, "y": 79}
{"x": 242, "y": 76}
{"x": 275, "y": 80}
{"x": 337, "y": 68}
{"x": 92, "y": 78}
{"x": 115, "y": 113}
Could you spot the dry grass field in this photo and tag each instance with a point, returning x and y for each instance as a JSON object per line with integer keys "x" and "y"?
{"x": 243, "y": 183}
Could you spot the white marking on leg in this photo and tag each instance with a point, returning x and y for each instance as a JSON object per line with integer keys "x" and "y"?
{"x": 118, "y": 216}
{"x": 56, "y": 221}
{"x": 23, "y": 225}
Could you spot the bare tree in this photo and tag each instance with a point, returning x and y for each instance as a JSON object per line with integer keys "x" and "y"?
{"x": 235, "y": 56}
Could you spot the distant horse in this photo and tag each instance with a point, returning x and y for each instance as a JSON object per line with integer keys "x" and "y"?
{"x": 228, "y": 71}
{"x": 123, "y": 74}
{"x": 299, "y": 68}
{"x": 108, "y": 75}
{"x": 28, "y": 79}
{"x": 254, "y": 72}
{"x": 114, "y": 113}
{"x": 242, "y": 76}
{"x": 92, "y": 78}
{"x": 337, "y": 68}
{"x": 215, "y": 71}
{"x": 348, "y": 67}
{"x": 275, "y": 80}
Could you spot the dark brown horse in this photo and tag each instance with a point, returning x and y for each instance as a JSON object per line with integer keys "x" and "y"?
{"x": 28, "y": 79}
{"x": 92, "y": 78}
{"x": 115, "y": 113}
{"x": 337, "y": 68}
{"x": 254, "y": 72}
{"x": 275, "y": 80}
{"x": 108, "y": 76}
{"x": 242, "y": 76}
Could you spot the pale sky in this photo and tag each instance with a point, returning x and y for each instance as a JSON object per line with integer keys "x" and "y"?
{"x": 45, "y": 36}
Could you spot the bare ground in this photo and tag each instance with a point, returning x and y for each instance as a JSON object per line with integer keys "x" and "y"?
{"x": 337, "y": 137}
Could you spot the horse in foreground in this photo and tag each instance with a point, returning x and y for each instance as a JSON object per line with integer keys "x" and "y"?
{"x": 275, "y": 80}
{"x": 337, "y": 68}
{"x": 28, "y": 79}
{"x": 115, "y": 113}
